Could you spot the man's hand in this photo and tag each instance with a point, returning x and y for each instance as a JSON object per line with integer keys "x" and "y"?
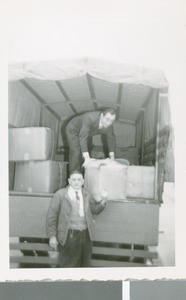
{"x": 53, "y": 242}
{"x": 104, "y": 202}
{"x": 104, "y": 195}
{"x": 87, "y": 159}
{"x": 111, "y": 155}
{"x": 86, "y": 162}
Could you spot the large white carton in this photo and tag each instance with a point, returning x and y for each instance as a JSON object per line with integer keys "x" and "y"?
{"x": 106, "y": 175}
{"x": 40, "y": 176}
{"x": 140, "y": 182}
{"x": 31, "y": 143}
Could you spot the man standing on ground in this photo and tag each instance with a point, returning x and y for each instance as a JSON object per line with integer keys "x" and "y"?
{"x": 85, "y": 126}
{"x": 69, "y": 224}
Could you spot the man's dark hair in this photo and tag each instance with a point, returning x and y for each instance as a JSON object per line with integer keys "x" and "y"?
{"x": 75, "y": 172}
{"x": 109, "y": 110}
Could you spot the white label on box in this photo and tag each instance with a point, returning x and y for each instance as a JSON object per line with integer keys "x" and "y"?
{"x": 26, "y": 156}
{"x": 27, "y": 130}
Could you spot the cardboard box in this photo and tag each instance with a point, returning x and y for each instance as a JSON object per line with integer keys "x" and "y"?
{"x": 106, "y": 175}
{"x": 140, "y": 182}
{"x": 40, "y": 176}
{"x": 31, "y": 143}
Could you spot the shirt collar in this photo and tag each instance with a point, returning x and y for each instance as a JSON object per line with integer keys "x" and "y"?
{"x": 72, "y": 190}
{"x": 100, "y": 121}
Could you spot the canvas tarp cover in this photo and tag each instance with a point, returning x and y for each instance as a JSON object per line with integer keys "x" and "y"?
{"x": 98, "y": 68}
{"x": 84, "y": 81}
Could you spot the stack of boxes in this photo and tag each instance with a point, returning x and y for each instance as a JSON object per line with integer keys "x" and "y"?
{"x": 32, "y": 168}
{"x": 32, "y": 152}
{"x": 120, "y": 180}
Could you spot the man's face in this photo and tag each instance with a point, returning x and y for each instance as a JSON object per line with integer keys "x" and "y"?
{"x": 108, "y": 120}
{"x": 76, "y": 181}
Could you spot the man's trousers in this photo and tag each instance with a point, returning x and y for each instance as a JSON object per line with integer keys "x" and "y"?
{"x": 77, "y": 250}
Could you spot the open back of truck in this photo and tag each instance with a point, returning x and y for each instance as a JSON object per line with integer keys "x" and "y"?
{"x": 48, "y": 94}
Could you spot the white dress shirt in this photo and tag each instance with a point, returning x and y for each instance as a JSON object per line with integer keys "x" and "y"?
{"x": 100, "y": 122}
{"x": 72, "y": 196}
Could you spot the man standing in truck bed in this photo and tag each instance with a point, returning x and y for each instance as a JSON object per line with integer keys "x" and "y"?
{"x": 85, "y": 126}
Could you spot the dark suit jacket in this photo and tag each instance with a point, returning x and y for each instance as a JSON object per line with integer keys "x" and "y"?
{"x": 87, "y": 125}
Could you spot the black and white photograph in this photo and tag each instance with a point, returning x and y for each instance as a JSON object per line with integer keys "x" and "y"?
{"x": 94, "y": 140}
{"x": 91, "y": 165}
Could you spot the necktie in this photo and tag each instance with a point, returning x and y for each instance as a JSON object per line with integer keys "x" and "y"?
{"x": 77, "y": 196}
{"x": 81, "y": 210}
